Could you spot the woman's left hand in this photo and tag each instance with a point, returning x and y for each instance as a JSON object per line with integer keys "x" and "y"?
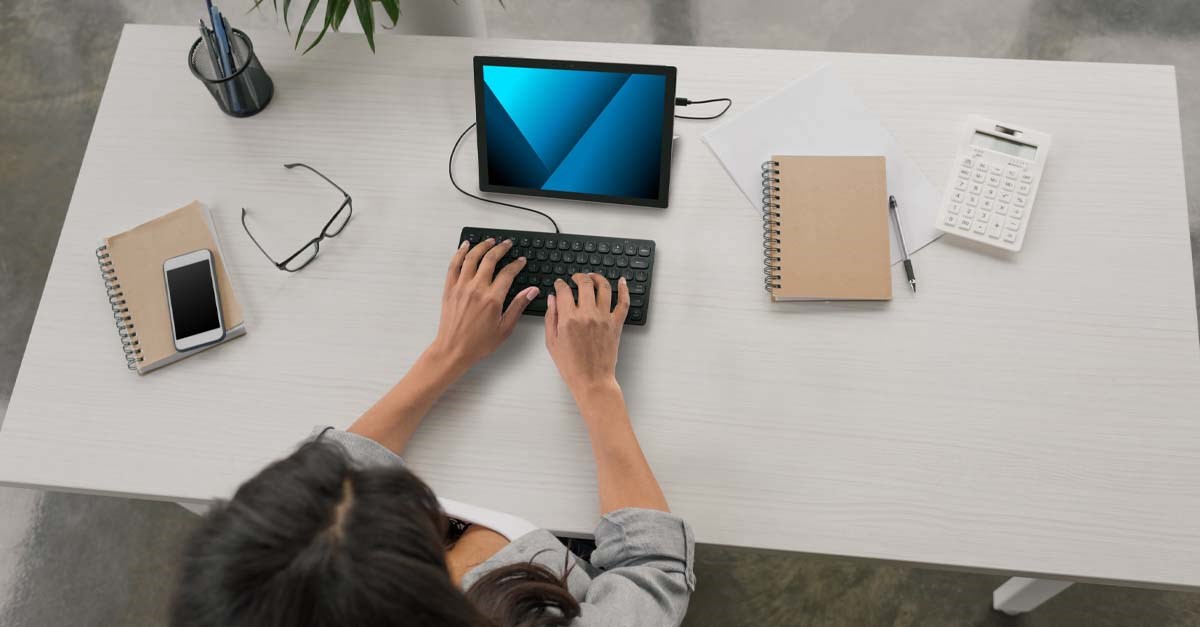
{"x": 473, "y": 322}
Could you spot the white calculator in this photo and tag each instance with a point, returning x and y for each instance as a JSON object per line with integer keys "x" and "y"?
{"x": 990, "y": 195}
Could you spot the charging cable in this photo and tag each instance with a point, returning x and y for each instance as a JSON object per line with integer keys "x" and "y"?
{"x": 683, "y": 102}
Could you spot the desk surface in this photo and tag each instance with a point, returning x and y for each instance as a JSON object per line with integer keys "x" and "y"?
{"x": 1033, "y": 414}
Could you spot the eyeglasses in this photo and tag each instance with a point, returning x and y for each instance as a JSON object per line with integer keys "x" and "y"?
{"x": 308, "y": 252}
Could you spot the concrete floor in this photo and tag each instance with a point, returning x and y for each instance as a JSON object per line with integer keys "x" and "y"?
{"x": 68, "y": 560}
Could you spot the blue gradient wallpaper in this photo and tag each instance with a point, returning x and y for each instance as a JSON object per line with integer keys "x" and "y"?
{"x": 574, "y": 130}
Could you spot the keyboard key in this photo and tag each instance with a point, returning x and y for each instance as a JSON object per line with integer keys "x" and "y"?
{"x": 537, "y": 242}
{"x": 627, "y": 273}
{"x": 568, "y": 256}
{"x": 613, "y": 273}
{"x": 603, "y": 247}
{"x": 609, "y": 260}
{"x": 640, "y": 275}
{"x": 577, "y": 246}
{"x": 594, "y": 260}
{"x": 637, "y": 314}
{"x": 637, "y": 301}
{"x": 617, "y": 249}
{"x": 524, "y": 242}
{"x": 541, "y": 255}
{"x": 555, "y": 256}
{"x": 547, "y": 281}
{"x": 622, "y": 261}
{"x": 639, "y": 264}
{"x": 473, "y": 239}
{"x": 637, "y": 288}
{"x": 560, "y": 270}
{"x": 589, "y": 247}
{"x": 643, "y": 251}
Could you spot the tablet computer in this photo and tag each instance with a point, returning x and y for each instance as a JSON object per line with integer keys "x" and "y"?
{"x": 575, "y": 129}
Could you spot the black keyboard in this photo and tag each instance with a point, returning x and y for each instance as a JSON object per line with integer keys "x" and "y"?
{"x": 551, "y": 256}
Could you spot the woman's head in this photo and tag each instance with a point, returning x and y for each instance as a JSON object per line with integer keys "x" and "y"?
{"x": 314, "y": 541}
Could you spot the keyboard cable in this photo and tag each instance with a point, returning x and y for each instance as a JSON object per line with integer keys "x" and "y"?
{"x": 494, "y": 202}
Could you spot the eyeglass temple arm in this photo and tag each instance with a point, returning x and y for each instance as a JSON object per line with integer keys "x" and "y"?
{"x": 314, "y": 171}
{"x": 262, "y": 250}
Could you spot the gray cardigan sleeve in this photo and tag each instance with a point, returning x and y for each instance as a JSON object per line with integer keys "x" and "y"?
{"x": 644, "y": 558}
{"x": 362, "y": 451}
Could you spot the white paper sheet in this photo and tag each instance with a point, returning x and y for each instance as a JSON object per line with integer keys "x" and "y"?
{"x": 820, "y": 115}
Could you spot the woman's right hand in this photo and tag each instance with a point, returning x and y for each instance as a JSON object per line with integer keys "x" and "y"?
{"x": 583, "y": 335}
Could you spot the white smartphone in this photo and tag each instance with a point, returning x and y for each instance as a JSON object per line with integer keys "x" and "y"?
{"x": 194, "y": 300}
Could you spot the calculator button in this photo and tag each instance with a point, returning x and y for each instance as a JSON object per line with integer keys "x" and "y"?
{"x": 997, "y": 170}
{"x": 966, "y": 163}
{"x": 964, "y": 224}
{"x": 1001, "y": 208}
{"x": 1026, "y": 178}
{"x": 993, "y": 180}
{"x": 969, "y": 213}
{"x": 1005, "y": 197}
{"x": 994, "y": 231}
{"x": 964, "y": 173}
{"x": 954, "y": 208}
{"x": 980, "y": 227}
{"x": 1009, "y": 185}
{"x": 1023, "y": 189}
{"x": 981, "y": 166}
{"x": 976, "y": 188}
{"x": 979, "y": 177}
{"x": 958, "y": 197}
{"x": 1010, "y": 236}
{"x": 972, "y": 200}
{"x": 960, "y": 184}
{"x": 989, "y": 193}
{"x": 1010, "y": 173}
{"x": 1013, "y": 224}
{"x": 1017, "y": 213}
{"x": 985, "y": 216}
{"x": 1019, "y": 201}
{"x": 951, "y": 220}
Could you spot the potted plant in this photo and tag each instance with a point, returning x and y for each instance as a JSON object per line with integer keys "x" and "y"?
{"x": 425, "y": 17}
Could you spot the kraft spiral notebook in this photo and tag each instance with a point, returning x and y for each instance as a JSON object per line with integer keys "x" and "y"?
{"x": 131, "y": 264}
{"x": 825, "y": 228}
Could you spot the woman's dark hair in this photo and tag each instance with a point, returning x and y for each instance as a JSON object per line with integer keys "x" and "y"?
{"x": 313, "y": 541}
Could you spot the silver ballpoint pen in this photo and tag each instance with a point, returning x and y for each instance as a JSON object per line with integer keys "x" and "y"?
{"x": 908, "y": 268}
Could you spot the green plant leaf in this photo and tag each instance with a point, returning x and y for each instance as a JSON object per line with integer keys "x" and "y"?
{"x": 308, "y": 13}
{"x": 392, "y": 8}
{"x": 286, "y": 4}
{"x": 330, "y": 8}
{"x": 366, "y": 15}
{"x": 340, "y": 14}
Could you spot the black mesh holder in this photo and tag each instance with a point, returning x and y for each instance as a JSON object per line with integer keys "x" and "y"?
{"x": 242, "y": 94}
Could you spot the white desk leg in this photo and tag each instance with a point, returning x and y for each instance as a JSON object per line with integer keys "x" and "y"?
{"x": 1021, "y": 594}
{"x": 198, "y": 509}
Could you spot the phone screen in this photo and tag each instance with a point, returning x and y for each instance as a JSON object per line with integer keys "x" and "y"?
{"x": 193, "y": 299}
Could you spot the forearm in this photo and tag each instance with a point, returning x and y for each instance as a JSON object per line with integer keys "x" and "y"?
{"x": 395, "y": 417}
{"x": 624, "y": 476}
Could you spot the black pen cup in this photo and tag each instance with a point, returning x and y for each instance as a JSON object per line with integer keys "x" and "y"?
{"x": 241, "y": 94}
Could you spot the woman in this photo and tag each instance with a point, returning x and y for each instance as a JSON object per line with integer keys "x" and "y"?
{"x": 342, "y": 534}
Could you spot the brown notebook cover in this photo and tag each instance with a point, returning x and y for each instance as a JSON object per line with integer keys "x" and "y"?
{"x": 826, "y": 228}
{"x": 132, "y": 266}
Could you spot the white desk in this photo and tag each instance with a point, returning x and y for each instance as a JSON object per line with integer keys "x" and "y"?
{"x": 1034, "y": 414}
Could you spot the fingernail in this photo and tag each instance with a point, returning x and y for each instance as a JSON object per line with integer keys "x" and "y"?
{"x": 508, "y": 241}
{"x": 532, "y": 293}
{"x": 622, "y": 280}
{"x": 463, "y": 245}
{"x": 491, "y": 239}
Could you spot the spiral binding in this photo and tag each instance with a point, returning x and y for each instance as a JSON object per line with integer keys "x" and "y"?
{"x": 116, "y": 298}
{"x": 771, "y": 217}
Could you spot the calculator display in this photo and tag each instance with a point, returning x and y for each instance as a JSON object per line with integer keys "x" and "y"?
{"x": 1006, "y": 146}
